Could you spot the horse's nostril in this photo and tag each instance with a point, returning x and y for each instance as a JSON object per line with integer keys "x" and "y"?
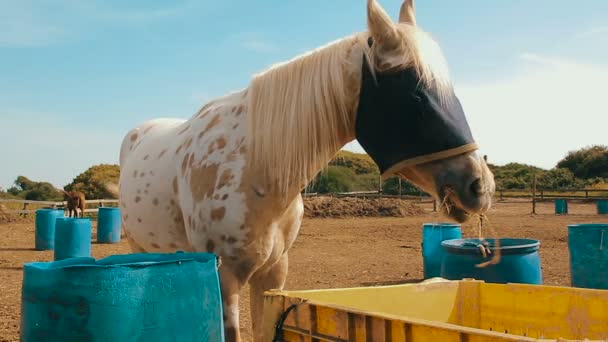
{"x": 476, "y": 187}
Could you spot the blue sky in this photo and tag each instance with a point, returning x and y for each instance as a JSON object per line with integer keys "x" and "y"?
{"x": 76, "y": 75}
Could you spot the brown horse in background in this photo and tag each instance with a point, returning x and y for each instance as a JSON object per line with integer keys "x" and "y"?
{"x": 76, "y": 199}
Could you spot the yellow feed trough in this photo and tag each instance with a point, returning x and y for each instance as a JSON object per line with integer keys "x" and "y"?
{"x": 438, "y": 310}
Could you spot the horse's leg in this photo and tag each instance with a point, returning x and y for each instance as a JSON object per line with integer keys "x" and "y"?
{"x": 267, "y": 279}
{"x": 231, "y": 287}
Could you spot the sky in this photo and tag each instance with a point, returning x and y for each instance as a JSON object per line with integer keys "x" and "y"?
{"x": 75, "y": 76}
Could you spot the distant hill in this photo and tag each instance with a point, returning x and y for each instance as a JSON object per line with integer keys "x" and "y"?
{"x": 350, "y": 171}
{"x": 584, "y": 168}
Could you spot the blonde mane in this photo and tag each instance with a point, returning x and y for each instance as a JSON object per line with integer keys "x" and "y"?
{"x": 300, "y": 111}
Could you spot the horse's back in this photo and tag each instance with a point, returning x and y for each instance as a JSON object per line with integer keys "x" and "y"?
{"x": 143, "y": 133}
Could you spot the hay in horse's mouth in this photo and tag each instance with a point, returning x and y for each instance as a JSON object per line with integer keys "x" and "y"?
{"x": 458, "y": 213}
{"x": 448, "y": 204}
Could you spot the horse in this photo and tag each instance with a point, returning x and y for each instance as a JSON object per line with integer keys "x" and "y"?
{"x": 228, "y": 179}
{"x": 75, "y": 199}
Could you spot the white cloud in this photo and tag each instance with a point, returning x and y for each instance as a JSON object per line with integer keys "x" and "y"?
{"x": 549, "y": 107}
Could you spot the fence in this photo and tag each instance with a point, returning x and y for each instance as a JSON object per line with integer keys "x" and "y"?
{"x": 531, "y": 195}
{"x": 30, "y": 207}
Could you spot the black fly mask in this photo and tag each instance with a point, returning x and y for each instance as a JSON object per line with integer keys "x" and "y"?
{"x": 400, "y": 122}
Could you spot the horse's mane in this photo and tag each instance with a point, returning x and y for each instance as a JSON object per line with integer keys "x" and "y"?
{"x": 298, "y": 108}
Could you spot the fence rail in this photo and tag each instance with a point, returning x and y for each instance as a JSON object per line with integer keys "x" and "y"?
{"x": 62, "y": 204}
{"x": 501, "y": 196}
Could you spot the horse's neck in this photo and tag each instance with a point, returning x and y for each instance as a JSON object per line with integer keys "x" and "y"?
{"x": 320, "y": 146}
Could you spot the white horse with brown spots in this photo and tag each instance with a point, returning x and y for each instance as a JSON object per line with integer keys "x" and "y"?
{"x": 228, "y": 180}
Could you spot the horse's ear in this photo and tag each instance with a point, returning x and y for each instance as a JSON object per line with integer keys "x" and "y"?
{"x": 485, "y": 158}
{"x": 381, "y": 26}
{"x": 407, "y": 12}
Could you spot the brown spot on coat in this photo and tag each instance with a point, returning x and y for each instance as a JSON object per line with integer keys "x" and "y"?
{"x": 142, "y": 174}
{"x": 137, "y": 199}
{"x": 218, "y": 213}
{"x": 202, "y": 181}
{"x": 211, "y": 148}
{"x": 224, "y": 197}
{"x": 155, "y": 245}
{"x": 231, "y": 239}
{"x": 185, "y": 163}
{"x": 155, "y": 201}
{"x": 146, "y": 157}
{"x": 172, "y": 245}
{"x": 135, "y": 174}
{"x": 214, "y": 122}
{"x": 139, "y": 219}
{"x": 188, "y": 143}
{"x": 204, "y": 111}
{"x": 150, "y": 233}
{"x": 184, "y": 130}
{"x": 221, "y": 143}
{"x": 133, "y": 137}
{"x": 210, "y": 246}
{"x": 191, "y": 160}
{"x": 235, "y": 126}
{"x": 162, "y": 153}
{"x": 239, "y": 110}
{"x": 225, "y": 178}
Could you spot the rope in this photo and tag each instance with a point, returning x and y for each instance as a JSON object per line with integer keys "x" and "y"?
{"x": 278, "y": 331}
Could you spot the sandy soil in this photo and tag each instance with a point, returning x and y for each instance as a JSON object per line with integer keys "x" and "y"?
{"x": 372, "y": 251}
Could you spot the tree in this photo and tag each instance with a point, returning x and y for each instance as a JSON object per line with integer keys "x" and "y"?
{"x": 514, "y": 175}
{"x": 93, "y": 181}
{"x": 588, "y": 162}
{"x": 34, "y": 191}
{"x": 358, "y": 162}
{"x": 391, "y": 187}
{"x": 559, "y": 178}
{"x": 333, "y": 179}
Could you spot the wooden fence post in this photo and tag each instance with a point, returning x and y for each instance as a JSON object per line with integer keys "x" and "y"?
{"x": 399, "y": 187}
{"x": 534, "y": 194}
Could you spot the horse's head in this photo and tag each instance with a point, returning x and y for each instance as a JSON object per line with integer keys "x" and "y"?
{"x": 410, "y": 121}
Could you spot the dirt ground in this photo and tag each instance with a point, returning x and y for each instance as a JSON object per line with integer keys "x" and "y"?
{"x": 372, "y": 251}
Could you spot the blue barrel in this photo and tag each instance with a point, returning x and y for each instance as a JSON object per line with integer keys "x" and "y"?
{"x": 602, "y": 207}
{"x": 45, "y": 228}
{"x": 432, "y": 252}
{"x": 108, "y": 225}
{"x": 519, "y": 263}
{"x": 133, "y": 297}
{"x": 72, "y": 238}
{"x": 588, "y": 247}
{"x": 561, "y": 206}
